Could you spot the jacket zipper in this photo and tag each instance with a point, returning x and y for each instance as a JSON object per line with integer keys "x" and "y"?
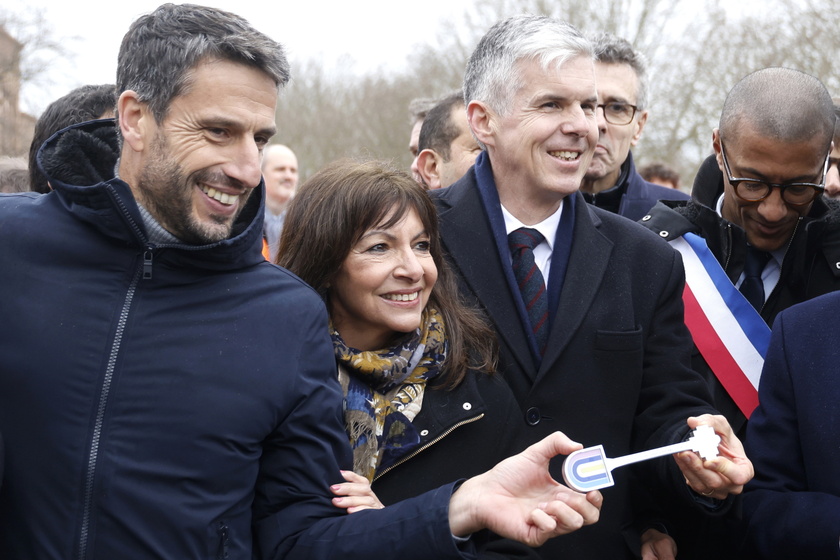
{"x": 148, "y": 247}
{"x": 428, "y": 444}
{"x": 147, "y": 263}
{"x": 144, "y": 272}
{"x": 729, "y": 246}
{"x": 224, "y": 539}
{"x": 100, "y": 414}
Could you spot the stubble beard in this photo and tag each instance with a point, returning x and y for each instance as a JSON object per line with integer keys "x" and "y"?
{"x": 166, "y": 192}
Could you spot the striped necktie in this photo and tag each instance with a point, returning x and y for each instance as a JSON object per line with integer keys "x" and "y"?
{"x": 530, "y": 280}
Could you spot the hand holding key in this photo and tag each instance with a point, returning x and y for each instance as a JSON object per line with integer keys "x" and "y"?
{"x": 590, "y": 469}
{"x": 722, "y": 475}
{"x": 716, "y": 467}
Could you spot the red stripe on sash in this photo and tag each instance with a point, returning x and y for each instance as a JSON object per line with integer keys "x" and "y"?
{"x": 717, "y": 356}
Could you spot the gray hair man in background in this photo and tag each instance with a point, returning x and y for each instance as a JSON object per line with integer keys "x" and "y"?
{"x": 611, "y": 182}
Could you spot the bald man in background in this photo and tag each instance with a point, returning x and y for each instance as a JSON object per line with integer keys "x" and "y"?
{"x": 280, "y": 169}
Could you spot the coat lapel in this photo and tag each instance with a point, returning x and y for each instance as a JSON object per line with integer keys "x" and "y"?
{"x": 588, "y": 262}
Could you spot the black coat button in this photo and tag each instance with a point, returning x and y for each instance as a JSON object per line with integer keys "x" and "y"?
{"x": 532, "y": 416}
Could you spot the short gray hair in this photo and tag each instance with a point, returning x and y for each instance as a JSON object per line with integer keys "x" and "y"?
{"x": 161, "y": 48}
{"x": 781, "y": 104}
{"x": 611, "y": 49}
{"x": 493, "y": 76}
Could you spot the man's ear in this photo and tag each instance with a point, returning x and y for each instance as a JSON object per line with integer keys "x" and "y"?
{"x": 640, "y": 125}
{"x": 717, "y": 147}
{"x": 134, "y": 120}
{"x": 482, "y": 121}
{"x": 428, "y": 165}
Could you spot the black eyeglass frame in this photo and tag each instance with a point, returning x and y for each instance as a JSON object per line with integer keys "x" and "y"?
{"x": 816, "y": 188}
{"x": 603, "y": 106}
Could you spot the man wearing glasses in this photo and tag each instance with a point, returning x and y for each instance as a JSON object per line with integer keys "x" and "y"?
{"x": 759, "y": 238}
{"x": 611, "y": 181}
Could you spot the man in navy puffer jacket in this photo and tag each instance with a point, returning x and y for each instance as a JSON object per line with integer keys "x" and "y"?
{"x": 164, "y": 391}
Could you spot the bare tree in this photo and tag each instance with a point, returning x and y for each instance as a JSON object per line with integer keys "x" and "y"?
{"x": 40, "y": 49}
{"x": 696, "y": 53}
{"x": 690, "y": 85}
{"x": 26, "y": 51}
{"x": 326, "y": 115}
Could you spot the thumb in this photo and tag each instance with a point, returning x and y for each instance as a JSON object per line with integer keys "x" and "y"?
{"x": 552, "y": 445}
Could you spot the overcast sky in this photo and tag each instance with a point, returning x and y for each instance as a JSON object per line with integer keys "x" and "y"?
{"x": 374, "y": 32}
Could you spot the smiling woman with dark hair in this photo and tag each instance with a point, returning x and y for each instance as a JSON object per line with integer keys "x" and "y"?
{"x": 421, "y": 404}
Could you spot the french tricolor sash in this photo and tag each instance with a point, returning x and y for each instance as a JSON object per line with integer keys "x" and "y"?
{"x": 728, "y": 331}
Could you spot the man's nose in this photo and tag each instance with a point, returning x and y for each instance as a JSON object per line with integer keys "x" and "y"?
{"x": 773, "y": 208}
{"x": 577, "y": 122}
{"x": 832, "y": 181}
{"x": 244, "y": 163}
{"x": 601, "y": 118}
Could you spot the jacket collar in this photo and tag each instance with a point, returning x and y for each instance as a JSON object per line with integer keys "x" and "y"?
{"x": 80, "y": 163}
{"x": 708, "y": 183}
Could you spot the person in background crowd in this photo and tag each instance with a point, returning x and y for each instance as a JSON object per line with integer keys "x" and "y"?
{"x": 447, "y": 146}
{"x": 832, "y": 177}
{"x": 611, "y": 182}
{"x": 660, "y": 174}
{"x": 14, "y": 175}
{"x": 280, "y": 172}
{"x": 418, "y": 108}
{"x": 85, "y": 103}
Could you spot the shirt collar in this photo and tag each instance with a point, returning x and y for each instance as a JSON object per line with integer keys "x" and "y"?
{"x": 547, "y": 227}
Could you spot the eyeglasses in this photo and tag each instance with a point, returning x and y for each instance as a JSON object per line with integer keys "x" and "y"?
{"x": 618, "y": 113}
{"x": 754, "y": 190}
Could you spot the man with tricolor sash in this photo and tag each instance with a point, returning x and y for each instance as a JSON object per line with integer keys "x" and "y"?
{"x": 757, "y": 235}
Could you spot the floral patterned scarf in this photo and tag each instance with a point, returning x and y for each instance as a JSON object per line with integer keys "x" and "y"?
{"x": 383, "y": 392}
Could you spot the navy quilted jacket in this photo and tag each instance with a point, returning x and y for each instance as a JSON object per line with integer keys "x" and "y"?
{"x": 168, "y": 401}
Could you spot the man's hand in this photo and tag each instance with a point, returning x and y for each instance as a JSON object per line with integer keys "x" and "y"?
{"x": 656, "y": 545}
{"x": 355, "y": 494}
{"x": 519, "y": 500}
{"x": 723, "y": 475}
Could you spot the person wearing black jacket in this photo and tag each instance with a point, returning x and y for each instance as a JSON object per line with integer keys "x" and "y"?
{"x": 775, "y": 130}
{"x": 804, "y": 240}
{"x": 423, "y": 405}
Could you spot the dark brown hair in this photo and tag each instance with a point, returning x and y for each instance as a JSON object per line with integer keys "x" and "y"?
{"x": 332, "y": 211}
